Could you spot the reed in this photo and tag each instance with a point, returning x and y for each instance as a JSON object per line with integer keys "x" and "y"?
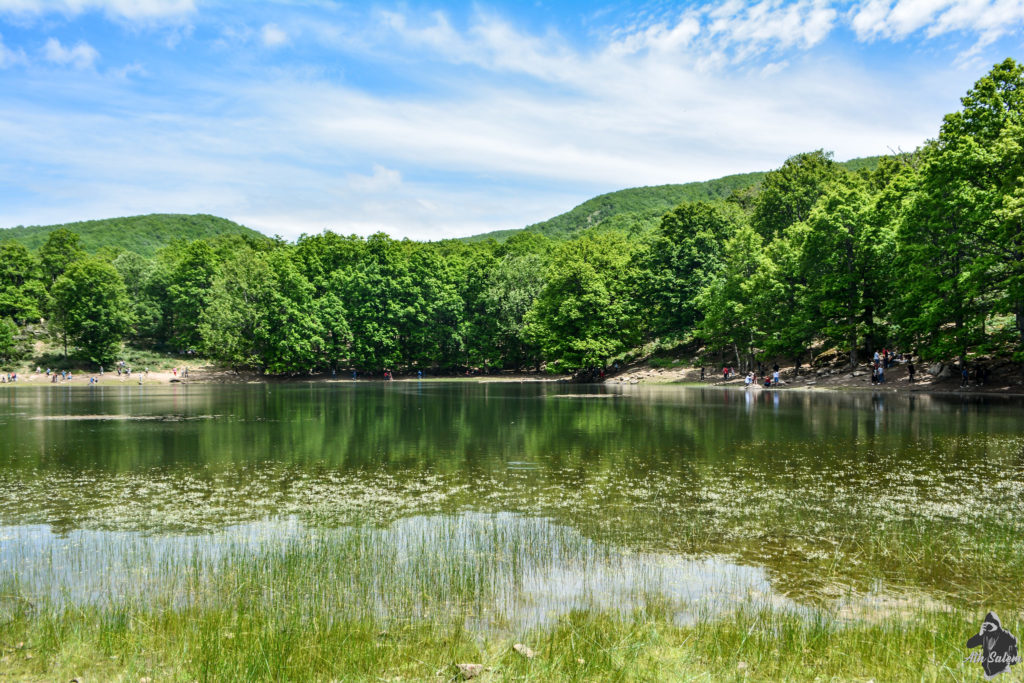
{"x": 282, "y": 601}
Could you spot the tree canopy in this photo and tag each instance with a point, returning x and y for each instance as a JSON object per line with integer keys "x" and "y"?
{"x": 921, "y": 250}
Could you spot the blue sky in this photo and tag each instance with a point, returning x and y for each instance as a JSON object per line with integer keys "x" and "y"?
{"x": 430, "y": 120}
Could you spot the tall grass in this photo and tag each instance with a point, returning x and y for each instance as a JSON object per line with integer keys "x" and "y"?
{"x": 284, "y": 602}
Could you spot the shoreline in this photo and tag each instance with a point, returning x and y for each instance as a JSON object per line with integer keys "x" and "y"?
{"x": 1009, "y": 383}
{"x": 1006, "y": 386}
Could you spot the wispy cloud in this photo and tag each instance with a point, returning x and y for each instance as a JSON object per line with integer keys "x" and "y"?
{"x": 129, "y": 70}
{"x": 132, "y": 10}
{"x": 81, "y": 56}
{"x": 382, "y": 179}
{"x": 9, "y": 57}
{"x": 427, "y": 124}
{"x": 986, "y": 19}
{"x": 273, "y": 35}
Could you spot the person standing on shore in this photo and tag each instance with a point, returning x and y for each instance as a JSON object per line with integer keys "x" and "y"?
{"x": 910, "y": 370}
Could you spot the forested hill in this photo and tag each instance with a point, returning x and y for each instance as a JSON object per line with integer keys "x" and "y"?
{"x": 640, "y": 208}
{"x": 144, "y": 235}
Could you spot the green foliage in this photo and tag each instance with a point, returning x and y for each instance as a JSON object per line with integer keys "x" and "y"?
{"x": 261, "y": 314}
{"x": 145, "y": 235}
{"x": 953, "y": 248}
{"x": 642, "y": 206}
{"x": 845, "y": 259}
{"x": 91, "y": 309}
{"x": 640, "y": 209}
{"x": 512, "y": 286}
{"x": 61, "y": 248}
{"x": 735, "y": 318}
{"x": 137, "y": 273}
{"x": 22, "y": 292}
{"x": 684, "y": 256}
{"x": 193, "y": 269}
{"x": 8, "y": 335}
{"x": 585, "y": 314}
{"x": 788, "y": 194}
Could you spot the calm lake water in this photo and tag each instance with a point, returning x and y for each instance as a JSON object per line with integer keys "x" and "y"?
{"x": 601, "y": 496}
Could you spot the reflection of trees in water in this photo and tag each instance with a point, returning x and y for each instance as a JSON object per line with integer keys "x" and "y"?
{"x": 777, "y": 478}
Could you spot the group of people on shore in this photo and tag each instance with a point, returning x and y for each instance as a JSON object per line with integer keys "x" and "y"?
{"x": 761, "y": 378}
{"x": 766, "y": 380}
{"x": 58, "y": 375}
{"x": 981, "y": 375}
{"x": 122, "y": 368}
{"x": 885, "y": 360}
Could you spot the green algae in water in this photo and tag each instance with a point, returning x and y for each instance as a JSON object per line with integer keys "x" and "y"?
{"x": 831, "y": 500}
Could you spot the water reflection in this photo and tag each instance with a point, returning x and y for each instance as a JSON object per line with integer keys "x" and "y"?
{"x": 535, "y": 571}
{"x": 824, "y": 491}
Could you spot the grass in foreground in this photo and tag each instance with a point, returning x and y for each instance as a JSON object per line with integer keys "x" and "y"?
{"x": 244, "y": 642}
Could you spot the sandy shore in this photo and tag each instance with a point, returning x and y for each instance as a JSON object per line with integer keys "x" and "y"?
{"x": 207, "y": 374}
{"x": 1007, "y": 380}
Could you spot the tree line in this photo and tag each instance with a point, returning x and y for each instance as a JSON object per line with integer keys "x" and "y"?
{"x": 924, "y": 253}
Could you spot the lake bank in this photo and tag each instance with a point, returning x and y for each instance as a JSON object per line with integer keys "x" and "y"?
{"x": 1008, "y": 382}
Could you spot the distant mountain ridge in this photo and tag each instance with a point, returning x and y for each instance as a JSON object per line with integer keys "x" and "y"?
{"x": 144, "y": 235}
{"x": 643, "y": 207}
{"x": 636, "y": 208}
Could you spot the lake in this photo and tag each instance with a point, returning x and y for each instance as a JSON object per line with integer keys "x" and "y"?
{"x": 565, "y": 496}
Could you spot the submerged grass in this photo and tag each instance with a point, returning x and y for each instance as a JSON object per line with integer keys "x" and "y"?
{"x": 178, "y": 554}
{"x": 285, "y": 602}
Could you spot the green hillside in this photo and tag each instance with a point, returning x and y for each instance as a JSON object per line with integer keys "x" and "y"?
{"x": 642, "y": 207}
{"x": 144, "y": 235}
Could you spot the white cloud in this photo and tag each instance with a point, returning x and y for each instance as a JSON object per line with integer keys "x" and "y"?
{"x": 773, "y": 68}
{"x": 128, "y": 70}
{"x": 535, "y": 125}
{"x": 771, "y": 24}
{"x": 132, "y": 10}
{"x": 9, "y": 57}
{"x": 987, "y": 19}
{"x": 273, "y": 35}
{"x": 81, "y": 56}
{"x": 381, "y": 180}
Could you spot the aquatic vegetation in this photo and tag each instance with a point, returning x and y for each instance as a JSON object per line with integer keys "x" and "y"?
{"x": 277, "y": 533}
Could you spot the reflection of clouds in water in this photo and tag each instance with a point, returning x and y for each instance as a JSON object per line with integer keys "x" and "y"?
{"x": 694, "y": 588}
{"x": 96, "y": 566}
{"x": 539, "y": 570}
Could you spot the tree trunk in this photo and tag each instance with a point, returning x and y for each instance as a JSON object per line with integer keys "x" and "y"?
{"x": 853, "y": 342}
{"x": 869, "y": 323}
{"x": 1019, "y": 314}
{"x": 851, "y": 302}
